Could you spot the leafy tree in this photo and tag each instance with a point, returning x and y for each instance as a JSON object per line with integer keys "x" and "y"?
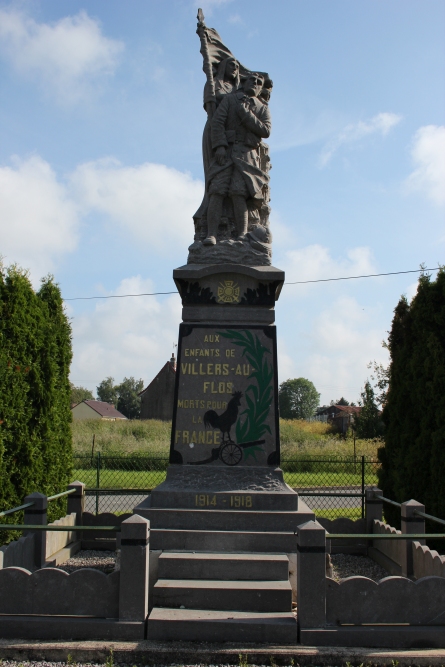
{"x": 123, "y": 396}
{"x": 413, "y": 459}
{"x": 298, "y": 399}
{"x": 341, "y": 401}
{"x": 381, "y": 379}
{"x": 107, "y": 391}
{"x": 368, "y": 423}
{"x": 35, "y": 415}
{"x": 128, "y": 402}
{"x": 79, "y": 394}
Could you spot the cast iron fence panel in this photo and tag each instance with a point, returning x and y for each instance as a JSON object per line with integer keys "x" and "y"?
{"x": 118, "y": 483}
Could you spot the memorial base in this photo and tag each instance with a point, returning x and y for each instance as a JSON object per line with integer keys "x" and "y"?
{"x": 252, "y": 488}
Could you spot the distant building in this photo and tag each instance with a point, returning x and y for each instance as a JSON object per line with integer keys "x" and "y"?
{"x": 340, "y": 416}
{"x": 157, "y": 399}
{"x": 96, "y": 410}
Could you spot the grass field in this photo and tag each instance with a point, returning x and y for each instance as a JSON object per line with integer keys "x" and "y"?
{"x": 140, "y": 479}
{"x": 152, "y": 438}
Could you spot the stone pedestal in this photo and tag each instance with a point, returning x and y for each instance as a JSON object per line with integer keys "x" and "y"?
{"x": 225, "y": 446}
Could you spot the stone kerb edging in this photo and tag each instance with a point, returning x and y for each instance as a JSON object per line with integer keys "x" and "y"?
{"x": 427, "y": 562}
{"x": 85, "y": 604}
{"x": 56, "y": 593}
{"x": 358, "y": 600}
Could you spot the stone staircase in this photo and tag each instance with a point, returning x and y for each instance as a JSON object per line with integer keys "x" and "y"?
{"x": 202, "y": 596}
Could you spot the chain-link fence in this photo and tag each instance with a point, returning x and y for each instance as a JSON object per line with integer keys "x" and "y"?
{"x": 331, "y": 486}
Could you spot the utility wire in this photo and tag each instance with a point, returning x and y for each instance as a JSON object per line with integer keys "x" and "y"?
{"x": 299, "y": 282}
{"x": 369, "y": 275}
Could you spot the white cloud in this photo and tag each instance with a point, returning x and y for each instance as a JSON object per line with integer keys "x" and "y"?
{"x": 235, "y": 19}
{"x": 68, "y": 57}
{"x": 38, "y": 221}
{"x": 124, "y": 337}
{"x": 315, "y": 262}
{"x": 428, "y": 154}
{"x": 381, "y": 124}
{"x": 343, "y": 341}
{"x": 334, "y": 349}
{"x": 154, "y": 202}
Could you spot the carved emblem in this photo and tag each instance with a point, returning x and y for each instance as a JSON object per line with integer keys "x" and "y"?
{"x": 228, "y": 292}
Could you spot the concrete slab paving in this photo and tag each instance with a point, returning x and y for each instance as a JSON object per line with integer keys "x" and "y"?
{"x": 194, "y": 653}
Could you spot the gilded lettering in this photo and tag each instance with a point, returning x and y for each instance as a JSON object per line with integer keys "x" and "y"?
{"x": 217, "y": 369}
{"x": 225, "y": 369}
{"x": 238, "y": 370}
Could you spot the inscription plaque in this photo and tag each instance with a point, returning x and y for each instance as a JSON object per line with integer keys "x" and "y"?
{"x": 225, "y": 411}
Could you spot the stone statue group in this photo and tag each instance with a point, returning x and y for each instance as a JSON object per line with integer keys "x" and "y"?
{"x": 232, "y": 223}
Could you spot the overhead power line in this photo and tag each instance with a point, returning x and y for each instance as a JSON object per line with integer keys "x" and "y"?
{"x": 368, "y": 275}
{"x": 298, "y": 282}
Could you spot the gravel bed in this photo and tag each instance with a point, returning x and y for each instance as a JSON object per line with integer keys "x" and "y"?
{"x": 44, "y": 663}
{"x": 345, "y": 565}
{"x": 104, "y": 561}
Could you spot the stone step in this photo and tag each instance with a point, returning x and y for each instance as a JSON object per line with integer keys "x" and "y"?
{"x": 221, "y": 626}
{"x": 223, "y": 595}
{"x": 225, "y": 567}
{"x": 233, "y": 520}
{"x": 224, "y": 541}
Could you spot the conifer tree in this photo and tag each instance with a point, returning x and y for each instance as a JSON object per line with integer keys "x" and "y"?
{"x": 35, "y": 416}
{"x": 368, "y": 422}
{"x": 413, "y": 459}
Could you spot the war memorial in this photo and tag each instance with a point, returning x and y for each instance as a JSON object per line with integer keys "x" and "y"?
{"x": 224, "y": 490}
{"x": 223, "y": 550}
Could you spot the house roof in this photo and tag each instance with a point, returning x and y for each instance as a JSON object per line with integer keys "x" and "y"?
{"x": 169, "y": 367}
{"x": 104, "y": 409}
{"x": 349, "y": 409}
{"x": 345, "y": 409}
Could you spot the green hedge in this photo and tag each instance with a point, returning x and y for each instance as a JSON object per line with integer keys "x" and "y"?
{"x": 35, "y": 415}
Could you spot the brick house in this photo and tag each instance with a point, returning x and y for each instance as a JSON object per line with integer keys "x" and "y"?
{"x": 90, "y": 409}
{"x": 157, "y": 398}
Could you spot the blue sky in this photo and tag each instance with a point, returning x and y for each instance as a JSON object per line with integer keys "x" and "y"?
{"x": 100, "y": 166}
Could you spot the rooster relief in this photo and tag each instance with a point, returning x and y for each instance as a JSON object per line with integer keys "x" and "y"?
{"x": 228, "y": 452}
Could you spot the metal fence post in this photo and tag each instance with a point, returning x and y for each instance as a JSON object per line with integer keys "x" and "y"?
{"x": 97, "y": 481}
{"x": 133, "y": 585}
{"x": 410, "y": 524}
{"x": 363, "y": 487}
{"x": 36, "y": 515}
{"x": 311, "y": 575}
